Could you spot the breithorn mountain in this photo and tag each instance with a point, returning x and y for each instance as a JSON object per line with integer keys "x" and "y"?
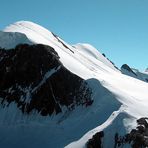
{"x": 56, "y": 95}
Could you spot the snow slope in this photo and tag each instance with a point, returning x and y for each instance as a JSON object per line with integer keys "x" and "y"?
{"x": 11, "y": 39}
{"x": 118, "y": 99}
{"x": 38, "y": 34}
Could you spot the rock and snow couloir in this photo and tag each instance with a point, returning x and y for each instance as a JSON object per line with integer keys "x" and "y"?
{"x": 117, "y": 100}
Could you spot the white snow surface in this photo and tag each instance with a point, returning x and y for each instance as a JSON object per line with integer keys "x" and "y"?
{"x": 11, "y": 39}
{"x": 118, "y": 100}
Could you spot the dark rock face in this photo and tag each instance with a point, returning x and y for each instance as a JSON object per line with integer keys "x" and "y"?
{"x": 126, "y": 67}
{"x": 146, "y": 80}
{"x": 110, "y": 61}
{"x": 61, "y": 42}
{"x": 95, "y": 141}
{"x": 33, "y": 77}
{"x": 137, "y": 138}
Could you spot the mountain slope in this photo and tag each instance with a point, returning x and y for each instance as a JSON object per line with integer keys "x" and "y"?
{"x": 125, "y": 69}
{"x": 11, "y": 39}
{"x": 40, "y": 35}
{"x": 33, "y": 77}
{"x": 118, "y": 100}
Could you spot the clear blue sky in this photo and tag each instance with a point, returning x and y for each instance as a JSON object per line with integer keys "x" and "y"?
{"x": 118, "y": 28}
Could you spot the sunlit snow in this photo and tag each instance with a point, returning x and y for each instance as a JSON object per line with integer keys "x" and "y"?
{"x": 118, "y": 99}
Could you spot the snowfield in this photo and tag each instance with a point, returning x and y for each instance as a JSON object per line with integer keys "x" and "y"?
{"x": 118, "y": 99}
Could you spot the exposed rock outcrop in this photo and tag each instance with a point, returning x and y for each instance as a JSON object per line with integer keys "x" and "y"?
{"x": 137, "y": 138}
{"x": 95, "y": 141}
{"x": 127, "y": 68}
{"x": 33, "y": 77}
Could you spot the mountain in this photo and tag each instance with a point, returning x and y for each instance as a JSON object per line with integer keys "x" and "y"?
{"x": 125, "y": 69}
{"x": 58, "y": 95}
{"x": 33, "y": 77}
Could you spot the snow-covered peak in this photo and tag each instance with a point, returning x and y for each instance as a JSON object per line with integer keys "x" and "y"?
{"x": 24, "y": 24}
{"x": 88, "y": 49}
{"x": 92, "y": 52}
{"x": 118, "y": 100}
{"x": 34, "y": 32}
{"x": 78, "y": 59}
{"x": 28, "y": 24}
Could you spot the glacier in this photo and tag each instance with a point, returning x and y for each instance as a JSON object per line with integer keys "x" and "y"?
{"x": 119, "y": 100}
